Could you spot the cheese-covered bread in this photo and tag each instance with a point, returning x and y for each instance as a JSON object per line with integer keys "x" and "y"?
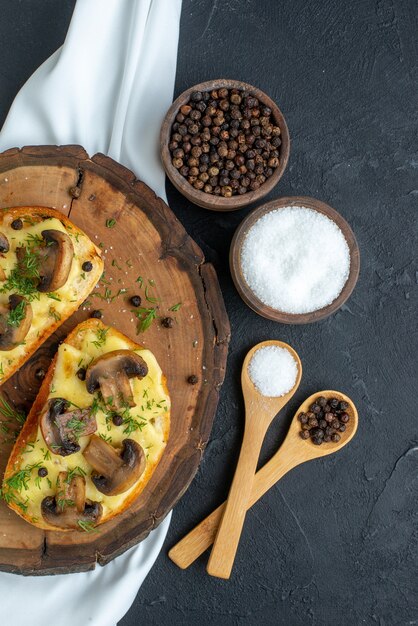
{"x": 94, "y": 435}
{"x": 48, "y": 267}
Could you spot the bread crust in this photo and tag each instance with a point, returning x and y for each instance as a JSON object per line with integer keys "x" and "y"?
{"x": 93, "y": 254}
{"x": 29, "y": 431}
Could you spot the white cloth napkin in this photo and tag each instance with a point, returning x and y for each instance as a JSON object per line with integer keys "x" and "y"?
{"x": 106, "y": 89}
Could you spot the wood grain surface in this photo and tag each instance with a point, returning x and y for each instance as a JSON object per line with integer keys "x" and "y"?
{"x": 145, "y": 240}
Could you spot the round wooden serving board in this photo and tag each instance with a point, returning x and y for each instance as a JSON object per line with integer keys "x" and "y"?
{"x": 148, "y": 241}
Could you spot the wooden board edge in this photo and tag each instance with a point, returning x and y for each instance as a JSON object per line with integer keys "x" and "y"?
{"x": 69, "y": 156}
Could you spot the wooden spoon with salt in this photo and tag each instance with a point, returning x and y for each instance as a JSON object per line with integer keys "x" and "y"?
{"x": 260, "y": 411}
{"x": 293, "y": 452}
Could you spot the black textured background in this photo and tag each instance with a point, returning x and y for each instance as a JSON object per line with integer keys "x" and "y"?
{"x": 336, "y": 542}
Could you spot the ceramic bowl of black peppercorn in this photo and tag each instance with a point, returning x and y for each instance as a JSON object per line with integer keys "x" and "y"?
{"x": 224, "y": 144}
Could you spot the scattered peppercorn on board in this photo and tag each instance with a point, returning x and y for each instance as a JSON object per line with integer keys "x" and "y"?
{"x": 157, "y": 290}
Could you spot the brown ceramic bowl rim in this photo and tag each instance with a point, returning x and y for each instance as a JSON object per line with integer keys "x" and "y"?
{"x": 248, "y": 295}
{"x": 200, "y": 197}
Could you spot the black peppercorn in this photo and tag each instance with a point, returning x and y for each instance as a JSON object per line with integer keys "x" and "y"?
{"x": 42, "y": 472}
{"x": 117, "y": 420}
{"x": 97, "y": 314}
{"x": 195, "y": 115}
{"x": 136, "y": 300}
{"x": 17, "y": 224}
{"x": 87, "y": 266}
{"x": 167, "y": 322}
{"x": 81, "y": 373}
{"x": 193, "y": 379}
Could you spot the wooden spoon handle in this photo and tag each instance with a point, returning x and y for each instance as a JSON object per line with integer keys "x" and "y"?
{"x": 227, "y": 539}
{"x": 188, "y": 549}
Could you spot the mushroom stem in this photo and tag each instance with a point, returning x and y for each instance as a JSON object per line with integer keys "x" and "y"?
{"x": 55, "y": 260}
{"x": 111, "y": 372}
{"x": 102, "y": 456}
{"x": 116, "y": 391}
{"x": 115, "y": 472}
{"x": 69, "y": 506}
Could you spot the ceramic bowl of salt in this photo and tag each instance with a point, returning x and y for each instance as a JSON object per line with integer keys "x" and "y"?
{"x": 294, "y": 260}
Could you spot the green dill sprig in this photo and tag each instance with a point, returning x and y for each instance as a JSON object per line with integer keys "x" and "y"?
{"x": 131, "y": 425}
{"x": 76, "y": 471}
{"x": 54, "y": 296}
{"x": 87, "y": 526}
{"x": 24, "y": 276}
{"x": 150, "y": 298}
{"x": 145, "y": 317}
{"x": 19, "y": 481}
{"x": 101, "y": 337}
{"x": 77, "y": 426}
{"x": 175, "y": 307}
{"x": 16, "y": 315}
{"x": 54, "y": 314}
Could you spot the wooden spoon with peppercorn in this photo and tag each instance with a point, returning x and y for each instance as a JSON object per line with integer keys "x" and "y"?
{"x": 293, "y": 452}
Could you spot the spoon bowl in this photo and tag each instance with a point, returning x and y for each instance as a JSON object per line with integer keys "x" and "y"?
{"x": 267, "y": 407}
{"x": 304, "y": 448}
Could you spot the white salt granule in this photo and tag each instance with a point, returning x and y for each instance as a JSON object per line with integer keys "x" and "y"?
{"x": 273, "y": 370}
{"x": 295, "y": 260}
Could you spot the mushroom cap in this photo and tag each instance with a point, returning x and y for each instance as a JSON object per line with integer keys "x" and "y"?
{"x": 56, "y": 260}
{"x": 69, "y": 506}
{"x": 111, "y": 372}
{"x": 4, "y": 243}
{"x": 108, "y": 364}
{"x": 12, "y": 334}
{"x": 115, "y": 471}
{"x": 61, "y": 429}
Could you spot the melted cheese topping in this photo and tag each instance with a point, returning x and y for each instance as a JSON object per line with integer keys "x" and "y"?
{"x": 149, "y": 420}
{"x": 47, "y": 310}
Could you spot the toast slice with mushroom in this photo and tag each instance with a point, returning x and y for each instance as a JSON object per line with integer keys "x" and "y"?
{"x": 48, "y": 267}
{"x": 94, "y": 435}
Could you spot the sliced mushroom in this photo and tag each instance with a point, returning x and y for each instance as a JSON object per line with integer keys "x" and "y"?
{"x": 115, "y": 471}
{"x": 62, "y": 429}
{"x": 111, "y": 372}
{"x": 14, "y": 328}
{"x": 4, "y": 243}
{"x": 69, "y": 509}
{"x": 55, "y": 260}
